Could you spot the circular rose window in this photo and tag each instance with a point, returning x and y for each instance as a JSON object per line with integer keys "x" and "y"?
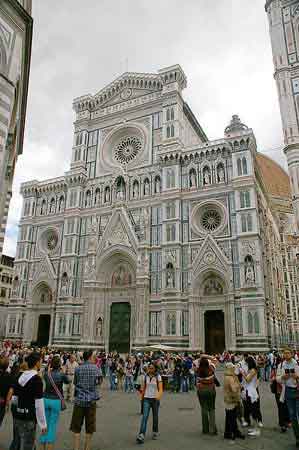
{"x": 211, "y": 220}
{"x": 127, "y": 149}
{"x": 208, "y": 217}
{"x": 49, "y": 240}
{"x": 52, "y": 241}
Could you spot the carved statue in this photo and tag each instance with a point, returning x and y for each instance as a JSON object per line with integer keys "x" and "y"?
{"x": 206, "y": 177}
{"x": 135, "y": 190}
{"x": 158, "y": 185}
{"x": 221, "y": 174}
{"x": 170, "y": 279}
{"x": 121, "y": 277}
{"x": 213, "y": 286}
{"x": 99, "y": 327}
{"x": 193, "y": 179}
{"x": 120, "y": 195}
{"x": 146, "y": 187}
{"x": 249, "y": 274}
{"x": 64, "y": 286}
{"x": 107, "y": 195}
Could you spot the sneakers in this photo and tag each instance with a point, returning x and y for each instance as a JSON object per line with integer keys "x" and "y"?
{"x": 254, "y": 433}
{"x": 244, "y": 423}
{"x": 140, "y": 438}
{"x": 260, "y": 424}
{"x": 155, "y": 436}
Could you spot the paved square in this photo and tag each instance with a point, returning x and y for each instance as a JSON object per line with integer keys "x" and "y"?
{"x": 118, "y": 421}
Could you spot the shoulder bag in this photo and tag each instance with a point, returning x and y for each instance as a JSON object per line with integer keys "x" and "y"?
{"x": 57, "y": 391}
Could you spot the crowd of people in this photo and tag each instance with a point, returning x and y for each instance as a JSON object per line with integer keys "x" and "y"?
{"x": 36, "y": 385}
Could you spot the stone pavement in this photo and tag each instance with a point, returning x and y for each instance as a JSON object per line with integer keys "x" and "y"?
{"x": 180, "y": 425}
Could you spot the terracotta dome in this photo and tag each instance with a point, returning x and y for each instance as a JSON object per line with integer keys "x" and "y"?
{"x": 275, "y": 178}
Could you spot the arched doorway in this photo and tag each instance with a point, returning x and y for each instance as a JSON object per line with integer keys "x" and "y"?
{"x": 214, "y": 319}
{"x": 120, "y": 327}
{"x": 42, "y": 299}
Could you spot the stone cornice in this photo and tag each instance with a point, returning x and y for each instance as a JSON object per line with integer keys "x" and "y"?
{"x": 34, "y": 187}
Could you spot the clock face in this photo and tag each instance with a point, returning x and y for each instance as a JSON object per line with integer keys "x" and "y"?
{"x": 126, "y": 93}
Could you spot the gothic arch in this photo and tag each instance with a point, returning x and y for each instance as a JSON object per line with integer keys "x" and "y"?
{"x": 42, "y": 294}
{"x": 110, "y": 263}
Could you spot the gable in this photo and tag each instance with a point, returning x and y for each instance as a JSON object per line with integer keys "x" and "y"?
{"x": 118, "y": 232}
{"x": 210, "y": 257}
{"x": 127, "y": 94}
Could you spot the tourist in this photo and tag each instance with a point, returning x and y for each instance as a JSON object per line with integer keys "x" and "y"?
{"x": 86, "y": 395}
{"x": 206, "y": 392}
{"x": 232, "y": 398}
{"x": 276, "y": 389}
{"x": 288, "y": 375}
{"x": 252, "y": 405}
{"x": 151, "y": 394}
{"x": 16, "y": 372}
{"x": 120, "y": 373}
{"x": 69, "y": 369}
{"x": 129, "y": 385}
{"x": 54, "y": 379}
{"x": 28, "y": 393}
{"x": 6, "y": 382}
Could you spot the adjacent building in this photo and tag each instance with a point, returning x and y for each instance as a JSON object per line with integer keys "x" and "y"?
{"x": 283, "y": 16}
{"x": 15, "y": 54}
{"x": 156, "y": 233}
{"x": 6, "y": 279}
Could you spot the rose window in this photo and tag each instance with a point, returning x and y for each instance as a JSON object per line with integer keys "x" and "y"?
{"x": 52, "y": 241}
{"x": 211, "y": 220}
{"x": 127, "y": 149}
{"x": 49, "y": 240}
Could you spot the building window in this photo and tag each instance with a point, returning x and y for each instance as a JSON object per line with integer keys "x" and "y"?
{"x": 12, "y": 324}
{"x": 170, "y": 232}
{"x": 244, "y": 165}
{"x": 62, "y": 325}
{"x": 172, "y": 130}
{"x": 155, "y": 323}
{"x": 185, "y": 323}
{"x": 70, "y": 226}
{"x": 156, "y": 225}
{"x": 246, "y": 223}
{"x": 239, "y": 326}
{"x": 157, "y": 120}
{"x": 170, "y": 210}
{"x": 172, "y": 114}
{"x": 170, "y": 178}
{"x": 256, "y": 323}
{"x": 245, "y": 199}
{"x": 167, "y": 115}
{"x": 250, "y": 323}
{"x": 168, "y": 132}
{"x": 76, "y": 324}
{"x": 68, "y": 245}
{"x": 171, "y": 323}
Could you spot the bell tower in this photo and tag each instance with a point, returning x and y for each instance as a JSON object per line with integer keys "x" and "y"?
{"x": 283, "y": 16}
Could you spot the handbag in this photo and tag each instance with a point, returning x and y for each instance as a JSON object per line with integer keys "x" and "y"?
{"x": 57, "y": 391}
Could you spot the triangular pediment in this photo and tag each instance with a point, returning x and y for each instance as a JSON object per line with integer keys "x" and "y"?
{"x": 44, "y": 271}
{"x": 210, "y": 256}
{"x": 118, "y": 232}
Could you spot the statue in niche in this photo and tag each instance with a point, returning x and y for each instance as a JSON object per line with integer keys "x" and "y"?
{"x": 206, "y": 177}
{"x": 170, "y": 279}
{"x": 158, "y": 185}
{"x": 99, "y": 327}
{"x": 213, "y": 286}
{"x": 249, "y": 275}
{"x": 146, "y": 187}
{"x": 98, "y": 197}
{"x": 135, "y": 190}
{"x": 193, "y": 179}
{"x": 107, "y": 195}
{"x": 221, "y": 174}
{"x": 64, "y": 285}
{"x": 92, "y": 230}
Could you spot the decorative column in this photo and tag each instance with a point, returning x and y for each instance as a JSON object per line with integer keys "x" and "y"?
{"x": 195, "y": 342}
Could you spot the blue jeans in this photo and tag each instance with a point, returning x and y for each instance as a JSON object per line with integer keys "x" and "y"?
{"x": 184, "y": 384}
{"x": 129, "y": 386}
{"x": 25, "y": 432}
{"x": 293, "y": 407}
{"x": 261, "y": 373}
{"x": 267, "y": 373}
{"x": 52, "y": 409}
{"x": 148, "y": 404}
{"x": 112, "y": 377}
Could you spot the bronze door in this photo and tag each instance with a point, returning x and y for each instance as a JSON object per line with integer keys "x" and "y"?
{"x": 214, "y": 332}
{"x": 43, "y": 332}
{"x": 120, "y": 321}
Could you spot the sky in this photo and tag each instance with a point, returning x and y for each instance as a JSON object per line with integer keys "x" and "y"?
{"x": 81, "y": 46}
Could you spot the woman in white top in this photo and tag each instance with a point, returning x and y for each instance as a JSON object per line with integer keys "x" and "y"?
{"x": 252, "y": 396}
{"x": 151, "y": 394}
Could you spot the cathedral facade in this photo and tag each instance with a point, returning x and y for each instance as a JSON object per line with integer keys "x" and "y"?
{"x": 155, "y": 234}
